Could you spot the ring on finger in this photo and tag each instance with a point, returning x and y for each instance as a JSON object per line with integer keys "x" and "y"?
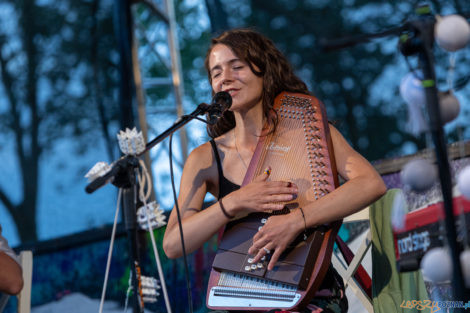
{"x": 267, "y": 250}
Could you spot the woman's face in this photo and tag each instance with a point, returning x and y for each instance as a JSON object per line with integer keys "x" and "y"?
{"x": 230, "y": 74}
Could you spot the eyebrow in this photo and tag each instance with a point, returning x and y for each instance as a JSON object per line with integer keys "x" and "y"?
{"x": 218, "y": 66}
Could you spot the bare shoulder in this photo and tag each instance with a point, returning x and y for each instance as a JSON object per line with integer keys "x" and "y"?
{"x": 349, "y": 162}
{"x": 340, "y": 145}
{"x": 200, "y": 158}
{"x": 202, "y": 154}
{"x": 200, "y": 167}
{"x": 224, "y": 141}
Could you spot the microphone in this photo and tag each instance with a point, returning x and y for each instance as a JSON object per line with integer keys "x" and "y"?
{"x": 221, "y": 102}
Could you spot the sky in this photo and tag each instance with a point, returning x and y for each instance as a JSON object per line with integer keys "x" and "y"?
{"x": 65, "y": 208}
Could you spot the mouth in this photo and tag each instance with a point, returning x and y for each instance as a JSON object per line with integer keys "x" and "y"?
{"x": 231, "y": 91}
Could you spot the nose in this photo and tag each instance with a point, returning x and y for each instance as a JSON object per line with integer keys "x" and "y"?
{"x": 226, "y": 78}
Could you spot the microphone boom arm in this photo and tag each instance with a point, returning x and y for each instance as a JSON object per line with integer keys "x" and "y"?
{"x": 121, "y": 166}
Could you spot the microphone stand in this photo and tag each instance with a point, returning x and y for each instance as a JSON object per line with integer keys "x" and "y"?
{"x": 120, "y": 167}
{"x": 419, "y": 40}
{"x": 122, "y": 175}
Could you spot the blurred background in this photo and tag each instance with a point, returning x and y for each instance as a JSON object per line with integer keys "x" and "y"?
{"x": 61, "y": 106}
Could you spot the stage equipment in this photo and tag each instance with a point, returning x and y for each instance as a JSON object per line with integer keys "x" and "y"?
{"x": 436, "y": 265}
{"x": 463, "y": 182}
{"x": 452, "y": 32}
{"x": 419, "y": 175}
{"x": 298, "y": 150}
{"x": 412, "y": 91}
{"x": 150, "y": 216}
{"x": 423, "y": 230}
{"x": 123, "y": 173}
{"x": 417, "y": 38}
{"x": 465, "y": 261}
{"x": 449, "y": 106}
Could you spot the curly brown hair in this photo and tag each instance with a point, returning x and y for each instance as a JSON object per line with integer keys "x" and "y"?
{"x": 260, "y": 52}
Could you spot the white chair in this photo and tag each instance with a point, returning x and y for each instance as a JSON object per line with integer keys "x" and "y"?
{"x": 24, "y": 297}
{"x": 347, "y": 271}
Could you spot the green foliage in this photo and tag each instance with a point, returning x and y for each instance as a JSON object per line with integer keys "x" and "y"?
{"x": 58, "y": 67}
{"x": 69, "y": 63}
{"x": 343, "y": 79}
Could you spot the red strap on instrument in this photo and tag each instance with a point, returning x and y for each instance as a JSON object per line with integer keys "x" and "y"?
{"x": 361, "y": 275}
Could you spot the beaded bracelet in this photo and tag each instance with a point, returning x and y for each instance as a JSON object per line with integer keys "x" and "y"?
{"x": 222, "y": 208}
{"x": 305, "y": 223}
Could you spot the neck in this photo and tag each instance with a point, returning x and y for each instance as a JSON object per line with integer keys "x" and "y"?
{"x": 248, "y": 127}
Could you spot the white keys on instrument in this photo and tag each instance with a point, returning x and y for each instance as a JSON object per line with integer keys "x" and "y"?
{"x": 238, "y": 290}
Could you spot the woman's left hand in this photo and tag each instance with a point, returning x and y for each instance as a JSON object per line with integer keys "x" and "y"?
{"x": 276, "y": 234}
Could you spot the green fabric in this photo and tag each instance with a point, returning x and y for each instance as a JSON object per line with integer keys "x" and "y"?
{"x": 390, "y": 289}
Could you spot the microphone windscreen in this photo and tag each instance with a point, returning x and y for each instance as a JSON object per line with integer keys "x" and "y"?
{"x": 452, "y": 32}
{"x": 224, "y": 99}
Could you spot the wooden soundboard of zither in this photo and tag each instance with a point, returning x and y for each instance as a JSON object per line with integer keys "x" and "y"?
{"x": 298, "y": 150}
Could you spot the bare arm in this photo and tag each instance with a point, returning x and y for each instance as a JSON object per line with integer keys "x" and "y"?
{"x": 199, "y": 177}
{"x": 11, "y": 279}
{"x": 198, "y": 226}
{"x": 363, "y": 186}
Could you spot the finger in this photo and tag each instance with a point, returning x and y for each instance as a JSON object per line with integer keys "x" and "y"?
{"x": 270, "y": 206}
{"x": 263, "y": 252}
{"x": 282, "y": 183}
{"x": 274, "y": 258}
{"x": 279, "y": 198}
{"x": 263, "y": 176}
{"x": 282, "y": 187}
{"x": 257, "y": 245}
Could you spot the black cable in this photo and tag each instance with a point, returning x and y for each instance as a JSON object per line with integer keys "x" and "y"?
{"x": 203, "y": 120}
{"x": 180, "y": 224}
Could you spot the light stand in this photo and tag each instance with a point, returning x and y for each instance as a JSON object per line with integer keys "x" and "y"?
{"x": 122, "y": 175}
{"x": 419, "y": 41}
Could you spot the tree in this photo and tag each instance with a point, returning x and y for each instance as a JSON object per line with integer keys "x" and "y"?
{"x": 49, "y": 72}
{"x": 343, "y": 79}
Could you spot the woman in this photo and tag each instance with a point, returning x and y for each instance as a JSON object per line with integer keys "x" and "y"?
{"x": 249, "y": 67}
{"x": 11, "y": 279}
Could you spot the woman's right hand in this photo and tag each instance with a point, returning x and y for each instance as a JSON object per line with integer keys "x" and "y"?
{"x": 260, "y": 195}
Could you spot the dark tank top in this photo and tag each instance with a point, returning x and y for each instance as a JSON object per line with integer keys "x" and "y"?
{"x": 225, "y": 185}
{"x": 332, "y": 288}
